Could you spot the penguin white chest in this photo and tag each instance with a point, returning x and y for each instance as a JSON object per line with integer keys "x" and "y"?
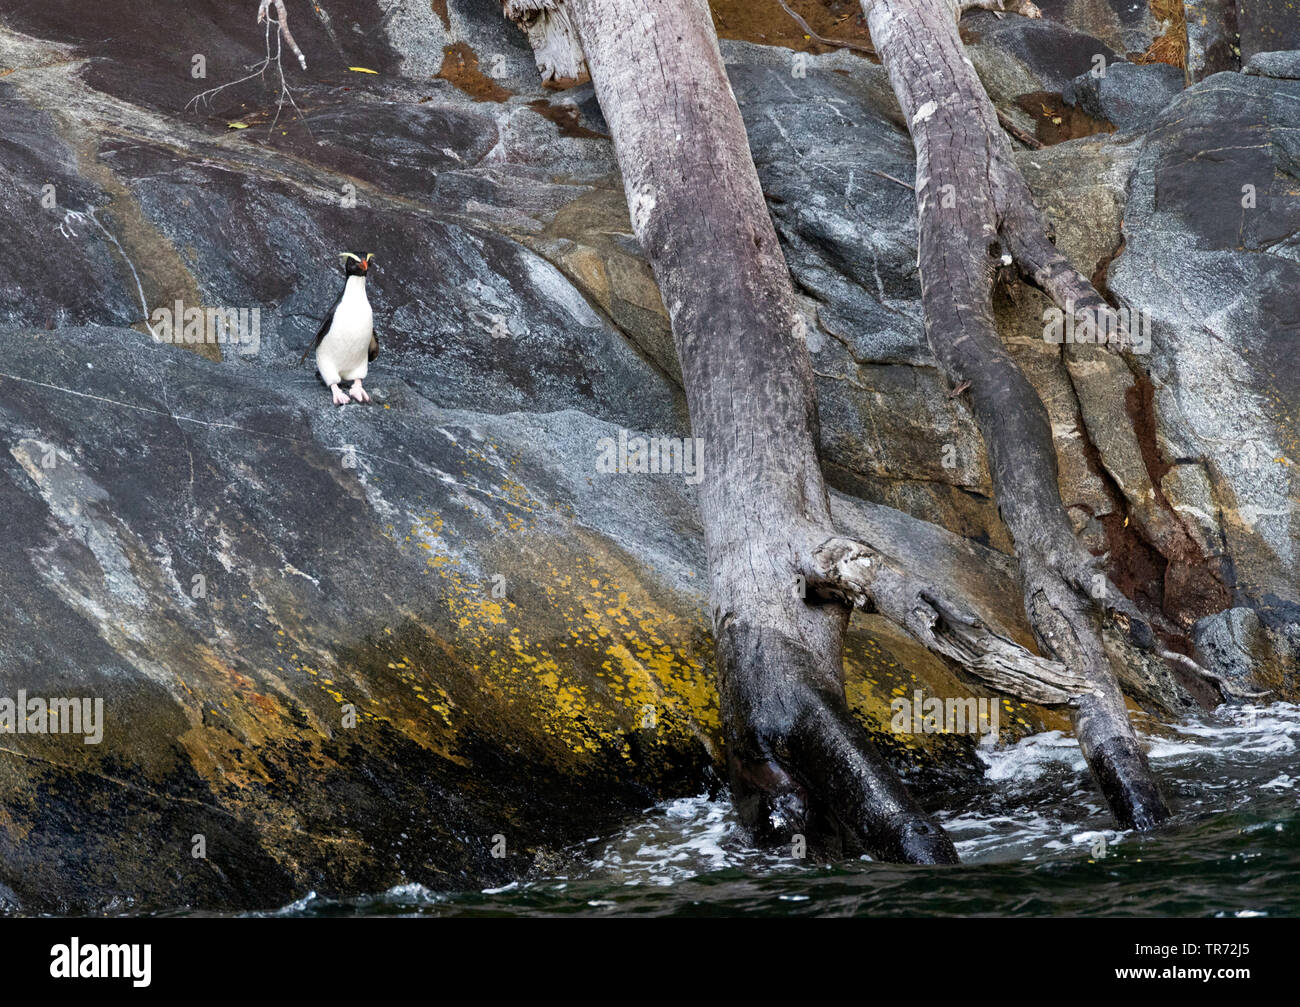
{"x": 344, "y": 352}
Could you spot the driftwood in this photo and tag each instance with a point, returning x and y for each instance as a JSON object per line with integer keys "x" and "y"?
{"x": 552, "y": 36}
{"x": 976, "y": 214}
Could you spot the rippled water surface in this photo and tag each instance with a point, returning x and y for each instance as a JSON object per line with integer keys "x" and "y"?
{"x": 1033, "y": 838}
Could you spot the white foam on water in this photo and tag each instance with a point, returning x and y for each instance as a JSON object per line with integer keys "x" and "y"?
{"x": 413, "y": 893}
{"x": 1037, "y": 802}
{"x": 1030, "y": 757}
{"x": 297, "y": 907}
{"x": 1041, "y": 799}
{"x": 679, "y": 840}
{"x": 1236, "y": 730}
{"x": 983, "y": 836}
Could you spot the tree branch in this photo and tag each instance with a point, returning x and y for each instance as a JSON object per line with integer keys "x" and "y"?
{"x": 552, "y": 36}
{"x": 862, "y": 577}
{"x": 833, "y": 42}
{"x": 259, "y": 70}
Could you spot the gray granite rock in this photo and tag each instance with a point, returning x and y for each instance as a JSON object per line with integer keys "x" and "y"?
{"x": 1127, "y": 26}
{"x": 1284, "y": 65}
{"x": 1016, "y": 55}
{"x": 1268, "y": 26}
{"x": 1126, "y": 94}
{"x": 1212, "y": 251}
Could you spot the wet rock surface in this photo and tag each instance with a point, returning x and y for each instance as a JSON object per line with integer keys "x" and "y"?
{"x": 1211, "y": 232}
{"x": 352, "y": 647}
{"x": 428, "y": 623}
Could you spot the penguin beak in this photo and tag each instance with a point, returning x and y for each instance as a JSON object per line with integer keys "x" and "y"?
{"x": 364, "y": 265}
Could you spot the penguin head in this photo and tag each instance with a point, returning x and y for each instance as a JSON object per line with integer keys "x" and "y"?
{"x": 355, "y": 265}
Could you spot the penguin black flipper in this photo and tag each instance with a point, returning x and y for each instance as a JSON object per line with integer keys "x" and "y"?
{"x": 374, "y": 347}
{"x": 324, "y": 328}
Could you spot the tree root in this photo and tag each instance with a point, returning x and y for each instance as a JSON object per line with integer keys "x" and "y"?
{"x": 1229, "y": 689}
{"x": 798, "y": 759}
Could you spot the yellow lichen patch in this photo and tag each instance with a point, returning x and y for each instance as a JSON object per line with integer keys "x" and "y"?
{"x": 545, "y": 635}
{"x": 240, "y": 720}
{"x": 583, "y": 653}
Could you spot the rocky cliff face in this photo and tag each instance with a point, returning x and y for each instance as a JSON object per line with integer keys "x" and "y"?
{"x": 351, "y": 647}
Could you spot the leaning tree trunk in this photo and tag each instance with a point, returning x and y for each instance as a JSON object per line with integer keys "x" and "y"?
{"x": 796, "y": 756}
{"x": 976, "y": 215}
{"x": 793, "y": 748}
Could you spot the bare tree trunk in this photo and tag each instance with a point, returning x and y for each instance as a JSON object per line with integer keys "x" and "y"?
{"x": 794, "y": 750}
{"x": 976, "y": 216}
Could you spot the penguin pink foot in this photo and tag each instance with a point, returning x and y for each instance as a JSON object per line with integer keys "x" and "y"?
{"x": 359, "y": 393}
{"x": 340, "y": 396}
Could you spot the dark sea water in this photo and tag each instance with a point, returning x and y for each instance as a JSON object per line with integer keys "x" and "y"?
{"x": 1034, "y": 840}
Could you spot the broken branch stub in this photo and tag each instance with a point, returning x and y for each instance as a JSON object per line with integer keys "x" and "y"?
{"x": 855, "y": 574}
{"x": 552, "y": 36}
{"x": 282, "y": 19}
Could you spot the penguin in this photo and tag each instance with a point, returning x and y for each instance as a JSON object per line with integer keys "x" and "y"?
{"x": 346, "y": 342}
